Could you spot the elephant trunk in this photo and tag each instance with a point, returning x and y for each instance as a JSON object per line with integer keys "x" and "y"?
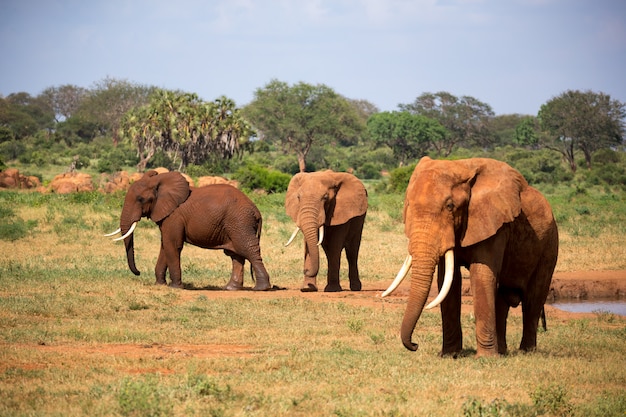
{"x": 309, "y": 224}
{"x": 425, "y": 259}
{"x": 126, "y": 222}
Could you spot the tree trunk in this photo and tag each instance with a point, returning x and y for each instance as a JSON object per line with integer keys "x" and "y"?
{"x": 301, "y": 162}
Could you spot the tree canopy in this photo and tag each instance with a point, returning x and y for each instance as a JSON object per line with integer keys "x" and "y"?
{"x": 410, "y": 136}
{"x": 465, "y": 118}
{"x": 302, "y": 116}
{"x": 584, "y": 121}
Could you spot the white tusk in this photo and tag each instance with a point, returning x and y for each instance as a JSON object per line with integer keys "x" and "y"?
{"x": 319, "y": 242}
{"x": 400, "y": 277}
{"x": 293, "y": 236}
{"x": 114, "y": 233}
{"x": 130, "y": 232}
{"x": 447, "y": 280}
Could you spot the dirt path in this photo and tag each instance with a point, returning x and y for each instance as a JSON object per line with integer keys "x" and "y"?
{"x": 565, "y": 285}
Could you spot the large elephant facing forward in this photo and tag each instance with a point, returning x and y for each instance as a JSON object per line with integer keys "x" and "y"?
{"x": 211, "y": 217}
{"x": 481, "y": 214}
{"x": 333, "y": 204}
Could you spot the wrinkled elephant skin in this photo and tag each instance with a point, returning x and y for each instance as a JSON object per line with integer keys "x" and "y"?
{"x": 498, "y": 227}
{"x": 336, "y": 203}
{"x": 211, "y": 217}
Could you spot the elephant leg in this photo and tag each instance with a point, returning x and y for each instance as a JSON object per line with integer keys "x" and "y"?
{"x": 250, "y": 250}
{"x": 333, "y": 245}
{"x": 353, "y": 244}
{"x": 534, "y": 299}
{"x": 173, "y": 264}
{"x": 161, "y": 268}
{"x": 531, "y": 312}
{"x": 261, "y": 276}
{"x": 236, "y": 276}
{"x": 502, "y": 314}
{"x": 483, "y": 282}
{"x": 451, "y": 313}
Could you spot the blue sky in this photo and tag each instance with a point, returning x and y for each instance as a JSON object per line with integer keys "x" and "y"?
{"x": 514, "y": 55}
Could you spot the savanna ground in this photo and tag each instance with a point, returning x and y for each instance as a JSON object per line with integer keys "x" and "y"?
{"x": 81, "y": 335}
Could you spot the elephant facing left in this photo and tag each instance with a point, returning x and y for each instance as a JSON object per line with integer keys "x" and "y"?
{"x": 211, "y": 217}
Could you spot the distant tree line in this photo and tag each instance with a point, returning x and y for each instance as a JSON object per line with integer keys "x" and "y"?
{"x": 289, "y": 128}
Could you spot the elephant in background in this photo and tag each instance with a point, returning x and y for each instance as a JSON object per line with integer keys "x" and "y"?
{"x": 211, "y": 217}
{"x": 333, "y": 204}
{"x": 481, "y": 214}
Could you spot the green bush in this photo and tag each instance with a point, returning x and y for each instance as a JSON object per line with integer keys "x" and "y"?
{"x": 399, "y": 178}
{"x": 143, "y": 398}
{"x": 161, "y": 159}
{"x": 12, "y": 227}
{"x": 254, "y": 177}
{"x": 539, "y": 167}
{"x": 369, "y": 171}
{"x": 115, "y": 160}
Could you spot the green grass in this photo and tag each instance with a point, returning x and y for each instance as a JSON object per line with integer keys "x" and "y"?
{"x": 81, "y": 335}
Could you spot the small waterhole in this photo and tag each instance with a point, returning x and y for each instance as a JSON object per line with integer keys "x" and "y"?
{"x": 590, "y": 306}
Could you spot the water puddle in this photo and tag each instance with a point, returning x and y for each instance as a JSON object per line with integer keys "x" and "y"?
{"x": 591, "y": 306}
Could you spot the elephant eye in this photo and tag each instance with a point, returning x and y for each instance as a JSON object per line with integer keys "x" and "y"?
{"x": 450, "y": 206}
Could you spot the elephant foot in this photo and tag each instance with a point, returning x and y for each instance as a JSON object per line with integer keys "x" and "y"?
{"x": 176, "y": 285}
{"x": 233, "y": 286}
{"x": 355, "y": 285}
{"x": 158, "y": 282}
{"x": 333, "y": 288}
{"x": 262, "y": 286}
{"x": 486, "y": 353}
{"x": 308, "y": 288}
{"x": 309, "y": 284}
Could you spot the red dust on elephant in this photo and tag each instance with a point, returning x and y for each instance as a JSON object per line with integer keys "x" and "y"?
{"x": 211, "y": 217}
{"x": 480, "y": 214}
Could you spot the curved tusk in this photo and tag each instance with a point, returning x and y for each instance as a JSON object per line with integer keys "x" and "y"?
{"x": 114, "y": 233}
{"x": 319, "y": 242}
{"x": 293, "y": 236}
{"x": 130, "y": 232}
{"x": 400, "y": 277}
{"x": 447, "y": 280}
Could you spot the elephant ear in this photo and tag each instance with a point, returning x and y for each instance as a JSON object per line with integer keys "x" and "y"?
{"x": 172, "y": 189}
{"x": 291, "y": 198}
{"x": 351, "y": 198}
{"x": 495, "y": 199}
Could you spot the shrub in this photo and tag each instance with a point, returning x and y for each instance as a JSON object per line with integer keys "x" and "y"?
{"x": 369, "y": 171}
{"x": 399, "y": 178}
{"x": 160, "y": 159}
{"x": 254, "y": 177}
{"x": 13, "y": 228}
{"x": 143, "y": 398}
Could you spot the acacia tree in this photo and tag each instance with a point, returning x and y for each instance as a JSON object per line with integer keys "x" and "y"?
{"x": 23, "y": 115}
{"x": 185, "y": 127}
{"x": 408, "y": 135}
{"x": 65, "y": 100}
{"x": 465, "y": 118}
{"x": 302, "y": 116}
{"x": 584, "y": 121}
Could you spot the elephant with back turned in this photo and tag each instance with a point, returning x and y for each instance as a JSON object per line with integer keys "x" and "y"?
{"x": 211, "y": 217}
{"x": 329, "y": 208}
{"x": 481, "y": 214}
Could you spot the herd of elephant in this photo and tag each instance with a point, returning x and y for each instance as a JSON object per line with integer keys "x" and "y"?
{"x": 476, "y": 213}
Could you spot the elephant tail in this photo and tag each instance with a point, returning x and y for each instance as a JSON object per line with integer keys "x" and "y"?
{"x": 259, "y": 227}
